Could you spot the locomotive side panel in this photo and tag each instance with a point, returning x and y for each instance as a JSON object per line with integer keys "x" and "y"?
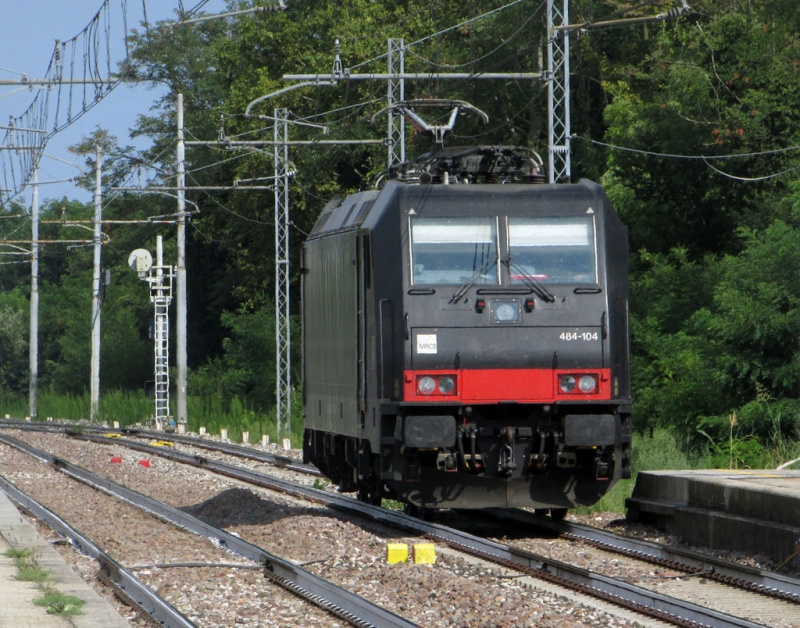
{"x": 330, "y": 334}
{"x": 617, "y": 262}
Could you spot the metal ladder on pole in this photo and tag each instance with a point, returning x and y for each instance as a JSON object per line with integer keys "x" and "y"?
{"x": 161, "y": 346}
{"x": 160, "y": 280}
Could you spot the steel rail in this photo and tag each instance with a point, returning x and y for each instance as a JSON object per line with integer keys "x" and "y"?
{"x": 764, "y": 582}
{"x": 340, "y": 602}
{"x": 284, "y": 462}
{"x": 752, "y": 578}
{"x": 621, "y": 593}
{"x": 115, "y": 574}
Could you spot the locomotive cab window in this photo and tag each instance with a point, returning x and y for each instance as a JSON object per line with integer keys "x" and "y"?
{"x": 454, "y": 250}
{"x": 552, "y": 249}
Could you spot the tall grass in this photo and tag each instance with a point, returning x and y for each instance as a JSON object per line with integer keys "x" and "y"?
{"x": 658, "y": 450}
{"x": 136, "y": 408}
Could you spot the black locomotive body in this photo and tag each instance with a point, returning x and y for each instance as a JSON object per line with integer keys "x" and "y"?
{"x": 466, "y": 346}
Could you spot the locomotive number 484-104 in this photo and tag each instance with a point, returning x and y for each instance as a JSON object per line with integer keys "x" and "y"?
{"x": 578, "y": 335}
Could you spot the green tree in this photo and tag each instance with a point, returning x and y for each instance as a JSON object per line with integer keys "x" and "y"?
{"x": 13, "y": 342}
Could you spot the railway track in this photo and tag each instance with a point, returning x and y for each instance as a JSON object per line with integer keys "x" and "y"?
{"x": 336, "y": 600}
{"x": 768, "y": 583}
{"x": 643, "y": 600}
{"x": 122, "y": 581}
{"x": 692, "y": 563}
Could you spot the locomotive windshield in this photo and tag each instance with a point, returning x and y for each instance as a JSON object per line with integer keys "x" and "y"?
{"x": 454, "y": 250}
{"x": 553, "y": 249}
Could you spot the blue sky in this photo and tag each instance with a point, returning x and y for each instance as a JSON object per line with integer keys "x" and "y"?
{"x": 28, "y": 32}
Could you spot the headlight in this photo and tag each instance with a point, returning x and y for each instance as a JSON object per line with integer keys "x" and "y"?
{"x": 567, "y": 383}
{"x": 506, "y": 311}
{"x": 587, "y": 384}
{"x": 579, "y": 383}
{"x": 446, "y": 384}
{"x": 426, "y": 385}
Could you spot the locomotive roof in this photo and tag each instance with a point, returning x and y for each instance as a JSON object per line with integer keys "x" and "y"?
{"x": 364, "y": 208}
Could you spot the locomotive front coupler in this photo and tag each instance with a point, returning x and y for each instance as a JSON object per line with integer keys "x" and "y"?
{"x": 506, "y": 463}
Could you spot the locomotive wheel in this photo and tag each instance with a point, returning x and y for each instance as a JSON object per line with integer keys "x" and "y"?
{"x": 370, "y": 495}
{"x": 555, "y": 513}
{"x": 418, "y": 512}
{"x": 370, "y": 488}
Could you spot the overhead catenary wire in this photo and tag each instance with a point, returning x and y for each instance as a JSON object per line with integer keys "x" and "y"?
{"x": 79, "y": 75}
{"x": 441, "y": 32}
{"x": 763, "y": 153}
{"x": 707, "y": 158}
{"x": 505, "y": 42}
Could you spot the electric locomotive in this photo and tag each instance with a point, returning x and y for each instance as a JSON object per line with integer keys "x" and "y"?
{"x": 465, "y": 337}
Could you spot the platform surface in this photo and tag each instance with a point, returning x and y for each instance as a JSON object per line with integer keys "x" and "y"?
{"x": 17, "y": 609}
{"x": 754, "y": 511}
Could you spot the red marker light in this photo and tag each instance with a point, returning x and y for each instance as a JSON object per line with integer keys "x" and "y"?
{"x": 529, "y": 303}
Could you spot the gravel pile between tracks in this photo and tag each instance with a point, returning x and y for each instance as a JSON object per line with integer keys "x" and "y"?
{"x": 453, "y": 592}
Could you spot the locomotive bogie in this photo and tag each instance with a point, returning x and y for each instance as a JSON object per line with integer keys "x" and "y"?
{"x": 467, "y": 346}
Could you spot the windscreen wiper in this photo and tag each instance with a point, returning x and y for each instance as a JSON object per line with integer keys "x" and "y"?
{"x": 538, "y": 289}
{"x": 488, "y": 264}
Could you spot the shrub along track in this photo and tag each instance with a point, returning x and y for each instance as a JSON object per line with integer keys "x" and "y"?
{"x": 548, "y": 568}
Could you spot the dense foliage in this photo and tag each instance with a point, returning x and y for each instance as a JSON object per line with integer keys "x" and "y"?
{"x": 691, "y": 124}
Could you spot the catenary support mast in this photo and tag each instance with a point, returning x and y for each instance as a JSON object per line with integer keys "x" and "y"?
{"x": 180, "y": 279}
{"x": 33, "y": 347}
{"x": 94, "y": 402}
{"x": 396, "y": 92}
{"x": 282, "y": 321}
{"x": 558, "y": 131}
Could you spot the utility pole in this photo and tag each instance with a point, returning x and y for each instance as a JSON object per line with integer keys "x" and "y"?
{"x": 396, "y": 131}
{"x": 558, "y": 128}
{"x": 280, "y": 153}
{"x": 180, "y": 278}
{"x": 94, "y": 404}
{"x": 33, "y": 346}
{"x": 33, "y": 343}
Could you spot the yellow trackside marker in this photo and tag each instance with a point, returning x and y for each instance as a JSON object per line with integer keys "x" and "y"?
{"x": 424, "y": 554}
{"x": 396, "y": 553}
{"x": 111, "y": 435}
{"x": 162, "y": 443}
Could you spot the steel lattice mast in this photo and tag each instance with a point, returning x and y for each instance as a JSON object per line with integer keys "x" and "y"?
{"x": 558, "y": 143}
{"x": 396, "y": 93}
{"x": 282, "y": 322}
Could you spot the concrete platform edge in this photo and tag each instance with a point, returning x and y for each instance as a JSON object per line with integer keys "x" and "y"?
{"x": 19, "y": 533}
{"x": 751, "y": 512}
